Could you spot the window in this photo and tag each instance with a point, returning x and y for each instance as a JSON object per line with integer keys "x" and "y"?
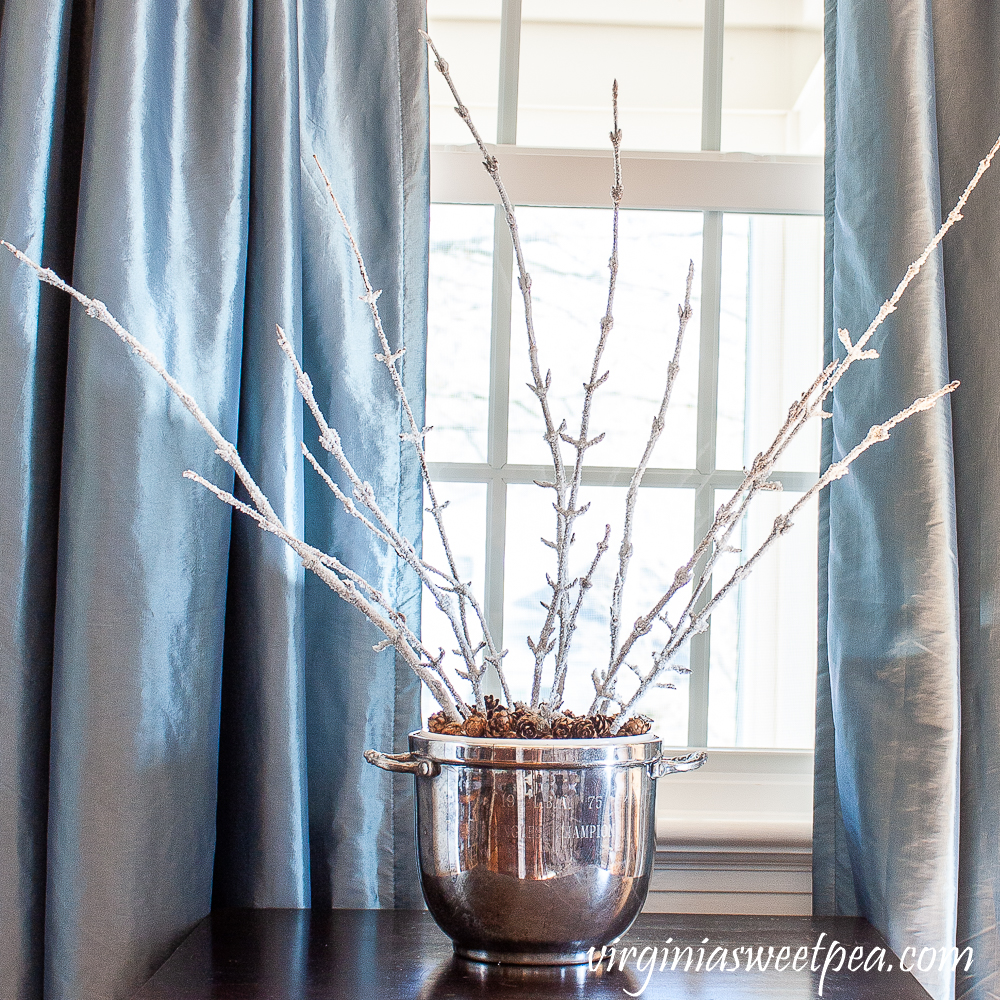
{"x": 721, "y": 110}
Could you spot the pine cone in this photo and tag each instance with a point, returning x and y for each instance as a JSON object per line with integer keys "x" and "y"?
{"x": 452, "y": 729}
{"x": 602, "y": 725}
{"x": 500, "y": 725}
{"x": 437, "y": 722}
{"x": 527, "y": 727}
{"x": 492, "y": 704}
{"x": 561, "y": 728}
{"x": 583, "y": 729}
{"x": 638, "y": 725}
{"x": 476, "y": 725}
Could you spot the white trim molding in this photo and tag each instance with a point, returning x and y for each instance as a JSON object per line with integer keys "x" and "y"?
{"x": 609, "y": 475}
{"x": 704, "y": 181}
{"x": 778, "y": 883}
{"x": 736, "y": 835}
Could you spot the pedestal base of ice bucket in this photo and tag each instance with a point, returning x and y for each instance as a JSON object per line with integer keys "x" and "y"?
{"x": 522, "y": 957}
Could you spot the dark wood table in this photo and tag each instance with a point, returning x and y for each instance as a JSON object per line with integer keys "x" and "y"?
{"x": 401, "y": 955}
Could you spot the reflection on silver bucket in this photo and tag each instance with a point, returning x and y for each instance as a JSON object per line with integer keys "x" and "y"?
{"x": 459, "y": 979}
{"x": 533, "y": 851}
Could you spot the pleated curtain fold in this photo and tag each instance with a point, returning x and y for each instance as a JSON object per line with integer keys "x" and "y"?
{"x": 182, "y": 712}
{"x": 907, "y": 819}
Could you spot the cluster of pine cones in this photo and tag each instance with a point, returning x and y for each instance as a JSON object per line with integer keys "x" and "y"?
{"x": 522, "y": 723}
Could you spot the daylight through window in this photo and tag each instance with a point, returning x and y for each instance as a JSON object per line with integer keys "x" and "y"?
{"x": 722, "y": 115}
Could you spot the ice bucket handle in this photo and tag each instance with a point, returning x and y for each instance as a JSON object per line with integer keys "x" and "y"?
{"x": 671, "y": 765}
{"x": 405, "y": 763}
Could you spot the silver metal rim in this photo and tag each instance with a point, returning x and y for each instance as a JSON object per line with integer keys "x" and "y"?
{"x": 485, "y": 741}
{"x": 469, "y": 751}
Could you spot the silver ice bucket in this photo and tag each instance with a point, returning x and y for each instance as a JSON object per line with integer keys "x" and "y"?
{"x": 534, "y": 851}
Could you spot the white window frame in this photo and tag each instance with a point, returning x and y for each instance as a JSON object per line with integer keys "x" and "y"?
{"x": 713, "y": 183}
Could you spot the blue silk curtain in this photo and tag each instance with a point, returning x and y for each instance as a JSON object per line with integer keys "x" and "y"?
{"x": 182, "y": 712}
{"x": 907, "y": 820}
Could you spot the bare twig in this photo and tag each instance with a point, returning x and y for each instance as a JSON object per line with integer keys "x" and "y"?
{"x": 606, "y": 690}
{"x": 582, "y": 443}
{"x": 539, "y": 386}
{"x": 857, "y": 351}
{"x": 782, "y": 523}
{"x": 451, "y": 594}
{"x": 416, "y": 437}
{"x": 583, "y": 585}
{"x": 224, "y": 448}
{"x": 353, "y": 588}
{"x": 386, "y": 530}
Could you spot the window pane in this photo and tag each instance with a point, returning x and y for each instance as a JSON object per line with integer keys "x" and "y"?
{"x": 567, "y": 252}
{"x": 763, "y": 667}
{"x": 458, "y": 332}
{"x": 465, "y": 522}
{"x": 661, "y": 539}
{"x": 467, "y": 34}
{"x": 724, "y": 664}
{"x": 771, "y": 334}
{"x": 772, "y": 81}
{"x": 572, "y": 50}
{"x": 729, "y": 447}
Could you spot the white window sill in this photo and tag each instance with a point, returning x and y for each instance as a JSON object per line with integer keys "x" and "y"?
{"x": 735, "y": 836}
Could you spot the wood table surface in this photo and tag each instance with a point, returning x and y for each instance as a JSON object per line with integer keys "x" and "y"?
{"x": 401, "y": 955}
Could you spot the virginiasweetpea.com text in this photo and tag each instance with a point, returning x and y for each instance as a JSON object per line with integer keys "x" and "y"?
{"x": 824, "y": 957}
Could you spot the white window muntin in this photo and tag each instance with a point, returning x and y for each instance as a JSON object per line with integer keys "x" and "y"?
{"x": 707, "y": 181}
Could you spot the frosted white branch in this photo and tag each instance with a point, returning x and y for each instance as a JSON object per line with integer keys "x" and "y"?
{"x": 539, "y": 385}
{"x": 583, "y": 585}
{"x": 691, "y": 585}
{"x": 582, "y": 443}
{"x": 390, "y": 623}
{"x": 416, "y": 434}
{"x": 684, "y": 312}
{"x": 697, "y": 622}
{"x": 452, "y": 599}
{"x": 353, "y": 589}
{"x": 225, "y": 449}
